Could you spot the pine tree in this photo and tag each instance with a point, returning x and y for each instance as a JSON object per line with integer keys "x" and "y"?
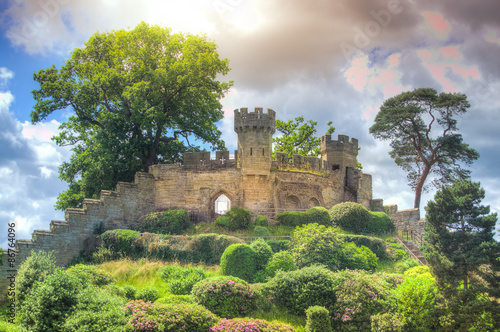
{"x": 463, "y": 255}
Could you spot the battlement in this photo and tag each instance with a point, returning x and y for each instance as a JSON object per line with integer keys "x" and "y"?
{"x": 254, "y": 120}
{"x": 342, "y": 144}
{"x": 202, "y": 159}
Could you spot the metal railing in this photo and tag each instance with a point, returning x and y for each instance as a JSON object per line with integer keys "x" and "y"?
{"x": 410, "y": 235}
{"x": 409, "y": 251}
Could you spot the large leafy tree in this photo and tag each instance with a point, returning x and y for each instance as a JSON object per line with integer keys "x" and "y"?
{"x": 298, "y": 137}
{"x": 422, "y": 128}
{"x": 137, "y": 98}
{"x": 463, "y": 255}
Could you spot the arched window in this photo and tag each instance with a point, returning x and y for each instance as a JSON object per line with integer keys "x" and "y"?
{"x": 222, "y": 204}
{"x": 292, "y": 203}
{"x": 313, "y": 202}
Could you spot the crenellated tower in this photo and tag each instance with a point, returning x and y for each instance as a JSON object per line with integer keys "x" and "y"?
{"x": 255, "y": 131}
{"x": 341, "y": 153}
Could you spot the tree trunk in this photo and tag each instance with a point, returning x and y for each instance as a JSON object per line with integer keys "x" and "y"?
{"x": 420, "y": 186}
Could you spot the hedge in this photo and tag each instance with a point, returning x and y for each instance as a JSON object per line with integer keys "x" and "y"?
{"x": 317, "y": 214}
{"x": 378, "y": 246}
{"x": 166, "y": 222}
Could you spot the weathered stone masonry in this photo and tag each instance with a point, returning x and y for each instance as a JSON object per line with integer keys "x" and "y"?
{"x": 251, "y": 179}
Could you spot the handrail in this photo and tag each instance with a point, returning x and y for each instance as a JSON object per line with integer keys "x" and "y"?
{"x": 408, "y": 250}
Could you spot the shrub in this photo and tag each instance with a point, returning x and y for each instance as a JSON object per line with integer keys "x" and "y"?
{"x": 387, "y": 322}
{"x": 35, "y": 268}
{"x": 238, "y": 260}
{"x": 236, "y": 218}
{"x": 298, "y": 290}
{"x": 104, "y": 254}
{"x": 262, "y": 253}
{"x": 250, "y": 325}
{"x": 378, "y": 246}
{"x": 318, "y": 319}
{"x": 380, "y": 223}
{"x": 395, "y": 250}
{"x": 261, "y": 221}
{"x": 92, "y": 274}
{"x": 359, "y": 296}
{"x": 145, "y": 316}
{"x": 261, "y": 231}
{"x": 176, "y": 299}
{"x": 180, "y": 280}
{"x": 130, "y": 292}
{"x": 166, "y": 222}
{"x": 416, "y": 298}
{"x": 207, "y": 248}
{"x": 225, "y": 296}
{"x": 278, "y": 245}
{"x": 148, "y": 293}
{"x": 97, "y": 310}
{"x": 281, "y": 261}
{"x": 352, "y": 217}
{"x": 122, "y": 241}
{"x": 317, "y": 214}
{"x": 354, "y": 257}
{"x": 406, "y": 264}
{"x": 50, "y": 302}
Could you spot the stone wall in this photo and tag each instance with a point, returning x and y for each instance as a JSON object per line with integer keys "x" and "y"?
{"x": 406, "y": 220}
{"x": 119, "y": 209}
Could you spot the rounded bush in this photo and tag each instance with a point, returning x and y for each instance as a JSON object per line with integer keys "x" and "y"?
{"x": 318, "y": 319}
{"x": 50, "y": 302}
{"x": 262, "y": 253}
{"x": 354, "y": 257}
{"x": 130, "y": 292}
{"x": 281, "y": 261}
{"x": 145, "y": 316}
{"x": 148, "y": 293}
{"x": 251, "y": 325}
{"x": 352, "y": 217}
{"x": 261, "y": 221}
{"x": 380, "y": 223}
{"x": 238, "y": 260}
{"x": 208, "y": 248}
{"x": 318, "y": 215}
{"x": 35, "y": 268}
{"x": 298, "y": 290}
{"x": 375, "y": 244}
{"x": 236, "y": 218}
{"x": 122, "y": 241}
{"x": 166, "y": 222}
{"x": 225, "y": 296}
{"x": 261, "y": 231}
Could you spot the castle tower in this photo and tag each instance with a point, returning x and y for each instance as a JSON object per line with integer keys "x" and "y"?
{"x": 255, "y": 131}
{"x": 339, "y": 154}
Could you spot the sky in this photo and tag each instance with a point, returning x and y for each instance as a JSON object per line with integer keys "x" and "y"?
{"x": 324, "y": 60}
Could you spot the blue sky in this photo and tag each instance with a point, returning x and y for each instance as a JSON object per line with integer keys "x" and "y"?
{"x": 324, "y": 60}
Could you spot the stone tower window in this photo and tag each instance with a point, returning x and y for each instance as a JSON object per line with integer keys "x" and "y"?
{"x": 263, "y": 152}
{"x": 222, "y": 204}
{"x": 251, "y": 151}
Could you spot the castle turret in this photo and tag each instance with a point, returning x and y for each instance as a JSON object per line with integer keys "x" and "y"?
{"x": 255, "y": 131}
{"x": 340, "y": 153}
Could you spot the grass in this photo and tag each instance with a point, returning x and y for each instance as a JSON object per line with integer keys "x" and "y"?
{"x": 282, "y": 316}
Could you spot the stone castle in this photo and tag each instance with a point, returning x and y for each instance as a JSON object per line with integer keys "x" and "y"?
{"x": 207, "y": 188}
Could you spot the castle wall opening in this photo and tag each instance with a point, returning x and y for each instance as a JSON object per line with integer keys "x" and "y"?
{"x": 222, "y": 204}
{"x": 292, "y": 203}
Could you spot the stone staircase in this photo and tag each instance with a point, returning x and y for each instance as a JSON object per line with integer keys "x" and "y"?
{"x": 413, "y": 250}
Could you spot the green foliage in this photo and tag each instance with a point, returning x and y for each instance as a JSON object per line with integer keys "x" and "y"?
{"x": 359, "y": 296}
{"x": 317, "y": 244}
{"x": 352, "y": 217}
{"x": 148, "y": 293}
{"x": 250, "y": 324}
{"x": 176, "y": 299}
{"x": 298, "y": 290}
{"x": 280, "y": 261}
{"x": 134, "y": 103}
{"x": 318, "y": 319}
{"x": 130, "y": 292}
{"x": 104, "y": 254}
{"x": 262, "y": 253}
{"x": 236, "y": 218}
{"x": 166, "y": 222}
{"x": 375, "y": 244}
{"x": 421, "y": 148}
{"x": 50, "y": 302}
{"x": 4, "y": 326}
{"x": 278, "y": 245}
{"x": 462, "y": 253}
{"x": 169, "y": 317}
{"x": 208, "y": 248}
{"x": 298, "y": 137}
{"x": 91, "y": 274}
{"x": 225, "y": 296}
{"x": 416, "y": 300}
{"x": 387, "y": 322}
{"x": 261, "y": 221}
{"x": 96, "y": 310}
{"x": 238, "y": 260}
{"x": 122, "y": 241}
{"x": 317, "y": 214}
{"x": 380, "y": 223}
{"x": 261, "y": 231}
{"x": 395, "y": 251}
{"x": 35, "y": 268}
{"x": 180, "y": 280}
{"x": 406, "y": 264}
